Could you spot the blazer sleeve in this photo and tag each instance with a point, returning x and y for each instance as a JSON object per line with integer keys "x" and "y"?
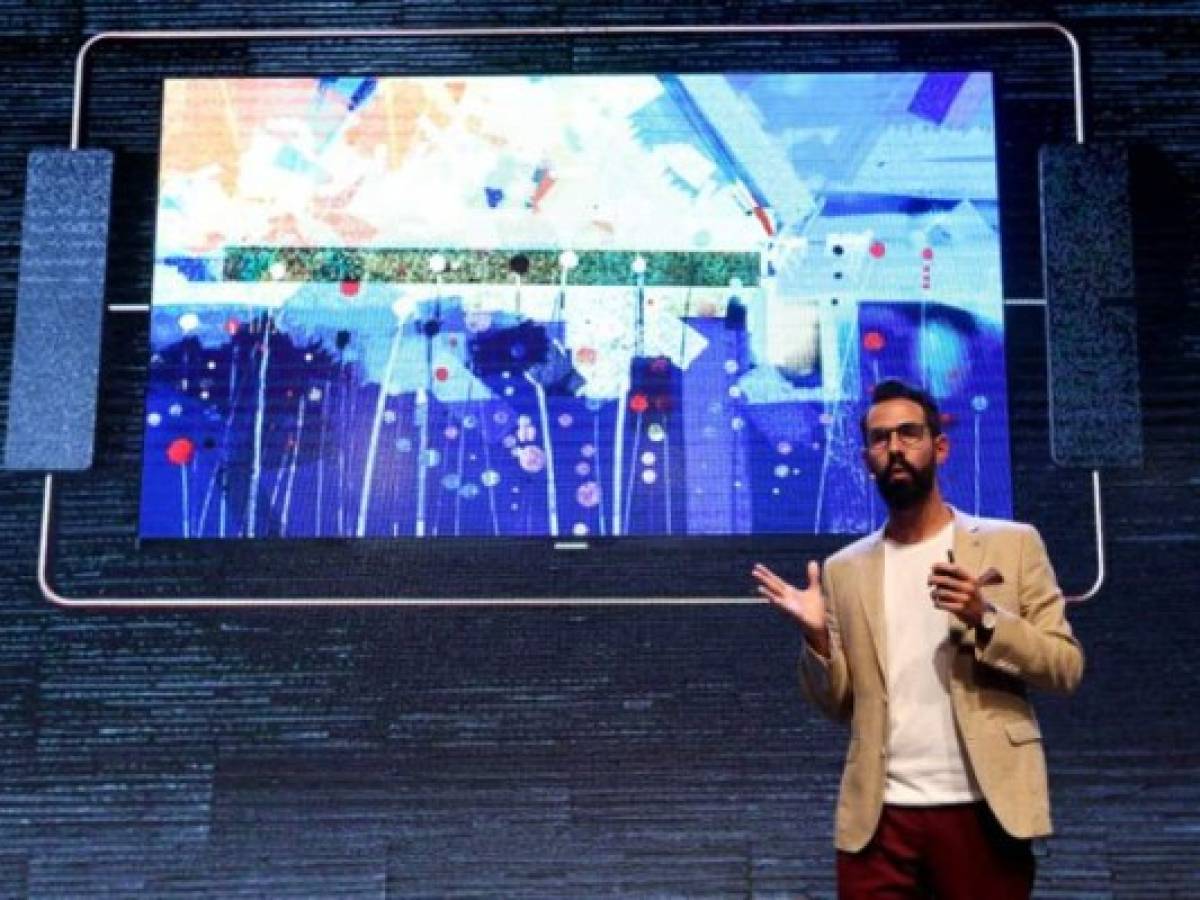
{"x": 827, "y": 681}
{"x": 1036, "y": 645}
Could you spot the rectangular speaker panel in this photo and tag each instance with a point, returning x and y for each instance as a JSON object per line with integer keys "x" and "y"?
{"x": 1091, "y": 318}
{"x": 60, "y": 307}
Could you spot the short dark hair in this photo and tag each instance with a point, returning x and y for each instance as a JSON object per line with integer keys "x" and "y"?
{"x": 895, "y": 389}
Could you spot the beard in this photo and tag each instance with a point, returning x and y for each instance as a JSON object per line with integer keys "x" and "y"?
{"x": 905, "y": 493}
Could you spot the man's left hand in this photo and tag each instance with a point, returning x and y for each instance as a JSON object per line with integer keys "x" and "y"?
{"x": 958, "y": 592}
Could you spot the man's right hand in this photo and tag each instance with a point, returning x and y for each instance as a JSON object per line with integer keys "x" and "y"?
{"x": 806, "y": 606}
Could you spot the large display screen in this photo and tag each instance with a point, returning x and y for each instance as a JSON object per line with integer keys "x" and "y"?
{"x": 567, "y": 307}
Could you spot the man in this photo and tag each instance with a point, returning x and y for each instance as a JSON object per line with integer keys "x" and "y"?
{"x": 926, "y": 635}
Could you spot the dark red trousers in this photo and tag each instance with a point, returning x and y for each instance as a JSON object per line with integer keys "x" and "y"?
{"x": 956, "y": 852}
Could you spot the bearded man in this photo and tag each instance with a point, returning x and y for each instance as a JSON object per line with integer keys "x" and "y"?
{"x": 926, "y": 636}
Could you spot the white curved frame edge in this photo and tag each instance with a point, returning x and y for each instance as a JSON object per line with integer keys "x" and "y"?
{"x": 135, "y": 603}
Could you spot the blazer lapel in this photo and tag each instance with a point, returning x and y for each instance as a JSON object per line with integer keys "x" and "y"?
{"x": 968, "y": 553}
{"x": 871, "y": 597}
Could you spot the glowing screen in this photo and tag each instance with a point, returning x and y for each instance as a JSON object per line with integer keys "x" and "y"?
{"x": 565, "y": 306}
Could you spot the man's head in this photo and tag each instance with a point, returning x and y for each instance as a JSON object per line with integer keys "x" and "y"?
{"x": 903, "y": 443}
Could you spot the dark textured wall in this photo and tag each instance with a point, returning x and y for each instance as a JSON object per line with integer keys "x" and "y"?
{"x": 573, "y": 753}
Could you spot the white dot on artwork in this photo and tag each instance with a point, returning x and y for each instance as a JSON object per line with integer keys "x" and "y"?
{"x": 389, "y": 416}
{"x": 648, "y": 458}
{"x": 531, "y": 459}
{"x": 154, "y": 419}
{"x": 580, "y": 529}
{"x": 189, "y": 322}
{"x": 175, "y": 409}
{"x": 649, "y": 476}
{"x": 781, "y": 471}
{"x": 737, "y": 423}
{"x": 783, "y": 448}
{"x": 656, "y": 432}
{"x": 731, "y": 366}
{"x": 775, "y": 491}
{"x": 490, "y": 478}
{"x": 212, "y": 364}
{"x": 735, "y": 391}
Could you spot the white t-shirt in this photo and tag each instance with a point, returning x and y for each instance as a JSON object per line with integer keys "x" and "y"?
{"x": 926, "y": 764}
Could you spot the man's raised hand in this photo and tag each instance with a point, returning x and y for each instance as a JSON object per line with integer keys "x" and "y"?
{"x": 806, "y": 606}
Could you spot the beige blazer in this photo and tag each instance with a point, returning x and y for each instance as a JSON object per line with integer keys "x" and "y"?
{"x": 1031, "y": 646}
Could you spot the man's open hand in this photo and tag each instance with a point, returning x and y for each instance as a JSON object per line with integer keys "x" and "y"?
{"x": 806, "y": 606}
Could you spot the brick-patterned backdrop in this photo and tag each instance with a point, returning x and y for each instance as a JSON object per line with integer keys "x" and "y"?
{"x": 563, "y": 753}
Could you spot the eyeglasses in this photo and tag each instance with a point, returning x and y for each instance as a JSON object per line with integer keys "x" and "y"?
{"x": 909, "y": 433}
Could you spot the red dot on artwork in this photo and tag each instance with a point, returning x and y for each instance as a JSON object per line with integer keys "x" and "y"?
{"x": 232, "y": 325}
{"x": 638, "y": 403}
{"x": 927, "y": 253}
{"x": 350, "y": 288}
{"x": 877, "y": 249}
{"x": 441, "y": 373}
{"x": 873, "y": 340}
{"x": 180, "y": 451}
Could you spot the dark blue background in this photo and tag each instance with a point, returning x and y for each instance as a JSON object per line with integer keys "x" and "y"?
{"x": 578, "y": 752}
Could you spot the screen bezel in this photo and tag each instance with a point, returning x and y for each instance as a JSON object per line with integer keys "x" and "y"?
{"x": 179, "y": 573}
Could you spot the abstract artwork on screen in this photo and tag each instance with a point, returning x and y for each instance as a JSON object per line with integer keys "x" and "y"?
{"x": 573, "y": 306}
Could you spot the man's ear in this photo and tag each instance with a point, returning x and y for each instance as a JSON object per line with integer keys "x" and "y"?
{"x": 941, "y": 447}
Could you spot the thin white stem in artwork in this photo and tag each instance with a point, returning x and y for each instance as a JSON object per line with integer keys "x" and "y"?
{"x": 260, "y": 410}
{"x": 364, "y": 501}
